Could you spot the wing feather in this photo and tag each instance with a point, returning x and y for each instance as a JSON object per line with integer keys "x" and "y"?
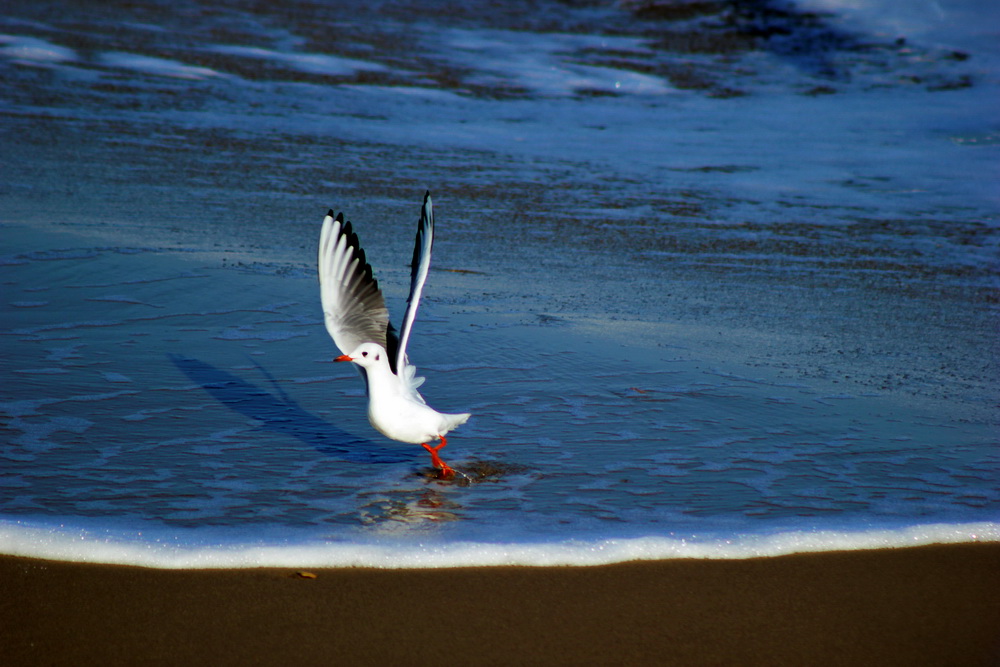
{"x": 353, "y": 306}
{"x": 419, "y": 267}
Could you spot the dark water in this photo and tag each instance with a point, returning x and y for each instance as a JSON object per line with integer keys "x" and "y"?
{"x": 710, "y": 276}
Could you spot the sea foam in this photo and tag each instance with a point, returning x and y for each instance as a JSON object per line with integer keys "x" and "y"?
{"x": 99, "y": 546}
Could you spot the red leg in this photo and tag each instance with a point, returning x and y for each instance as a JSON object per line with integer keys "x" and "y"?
{"x": 444, "y": 470}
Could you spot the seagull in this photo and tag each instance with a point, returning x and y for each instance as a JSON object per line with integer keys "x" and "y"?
{"x": 356, "y": 318}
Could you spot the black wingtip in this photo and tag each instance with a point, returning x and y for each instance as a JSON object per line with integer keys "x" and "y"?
{"x": 425, "y": 210}
{"x": 354, "y": 242}
{"x": 340, "y": 217}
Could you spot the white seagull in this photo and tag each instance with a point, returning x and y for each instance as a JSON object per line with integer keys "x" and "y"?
{"x": 358, "y": 321}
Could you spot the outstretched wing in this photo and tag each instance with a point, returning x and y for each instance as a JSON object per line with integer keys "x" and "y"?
{"x": 353, "y": 307}
{"x": 419, "y": 267}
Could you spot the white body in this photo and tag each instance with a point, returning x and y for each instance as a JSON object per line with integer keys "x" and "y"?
{"x": 395, "y": 409}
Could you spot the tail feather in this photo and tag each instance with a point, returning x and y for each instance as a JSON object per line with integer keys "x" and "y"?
{"x": 456, "y": 420}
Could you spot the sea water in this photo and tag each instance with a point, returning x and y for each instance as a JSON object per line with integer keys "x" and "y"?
{"x": 711, "y": 284}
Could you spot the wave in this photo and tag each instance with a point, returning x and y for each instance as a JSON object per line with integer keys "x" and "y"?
{"x": 94, "y": 546}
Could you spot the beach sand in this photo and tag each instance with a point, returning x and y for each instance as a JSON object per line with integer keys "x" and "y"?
{"x": 931, "y": 605}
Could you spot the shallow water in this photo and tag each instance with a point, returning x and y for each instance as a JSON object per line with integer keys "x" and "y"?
{"x": 712, "y": 284}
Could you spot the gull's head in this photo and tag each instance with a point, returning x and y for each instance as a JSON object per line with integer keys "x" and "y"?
{"x": 366, "y": 355}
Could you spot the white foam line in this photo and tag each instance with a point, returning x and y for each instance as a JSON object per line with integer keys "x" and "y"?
{"x": 31, "y": 50}
{"x": 311, "y": 63}
{"x": 156, "y": 66}
{"x": 78, "y": 545}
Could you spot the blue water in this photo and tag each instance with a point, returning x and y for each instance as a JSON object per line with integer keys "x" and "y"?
{"x": 712, "y": 285}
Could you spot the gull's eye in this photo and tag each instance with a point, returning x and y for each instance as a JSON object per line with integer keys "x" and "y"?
{"x": 364, "y": 354}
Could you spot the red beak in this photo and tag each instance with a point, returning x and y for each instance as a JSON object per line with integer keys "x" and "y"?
{"x": 343, "y": 357}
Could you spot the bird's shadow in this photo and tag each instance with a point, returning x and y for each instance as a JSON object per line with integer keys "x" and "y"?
{"x": 281, "y": 414}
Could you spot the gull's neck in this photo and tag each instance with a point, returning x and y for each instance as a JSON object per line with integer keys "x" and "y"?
{"x": 381, "y": 379}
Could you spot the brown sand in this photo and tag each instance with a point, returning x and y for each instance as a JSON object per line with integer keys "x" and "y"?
{"x": 937, "y": 605}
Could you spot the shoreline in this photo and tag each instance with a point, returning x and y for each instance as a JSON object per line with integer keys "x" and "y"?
{"x": 933, "y": 604}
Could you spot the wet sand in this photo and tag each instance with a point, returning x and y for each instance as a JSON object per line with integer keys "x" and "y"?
{"x": 929, "y": 605}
